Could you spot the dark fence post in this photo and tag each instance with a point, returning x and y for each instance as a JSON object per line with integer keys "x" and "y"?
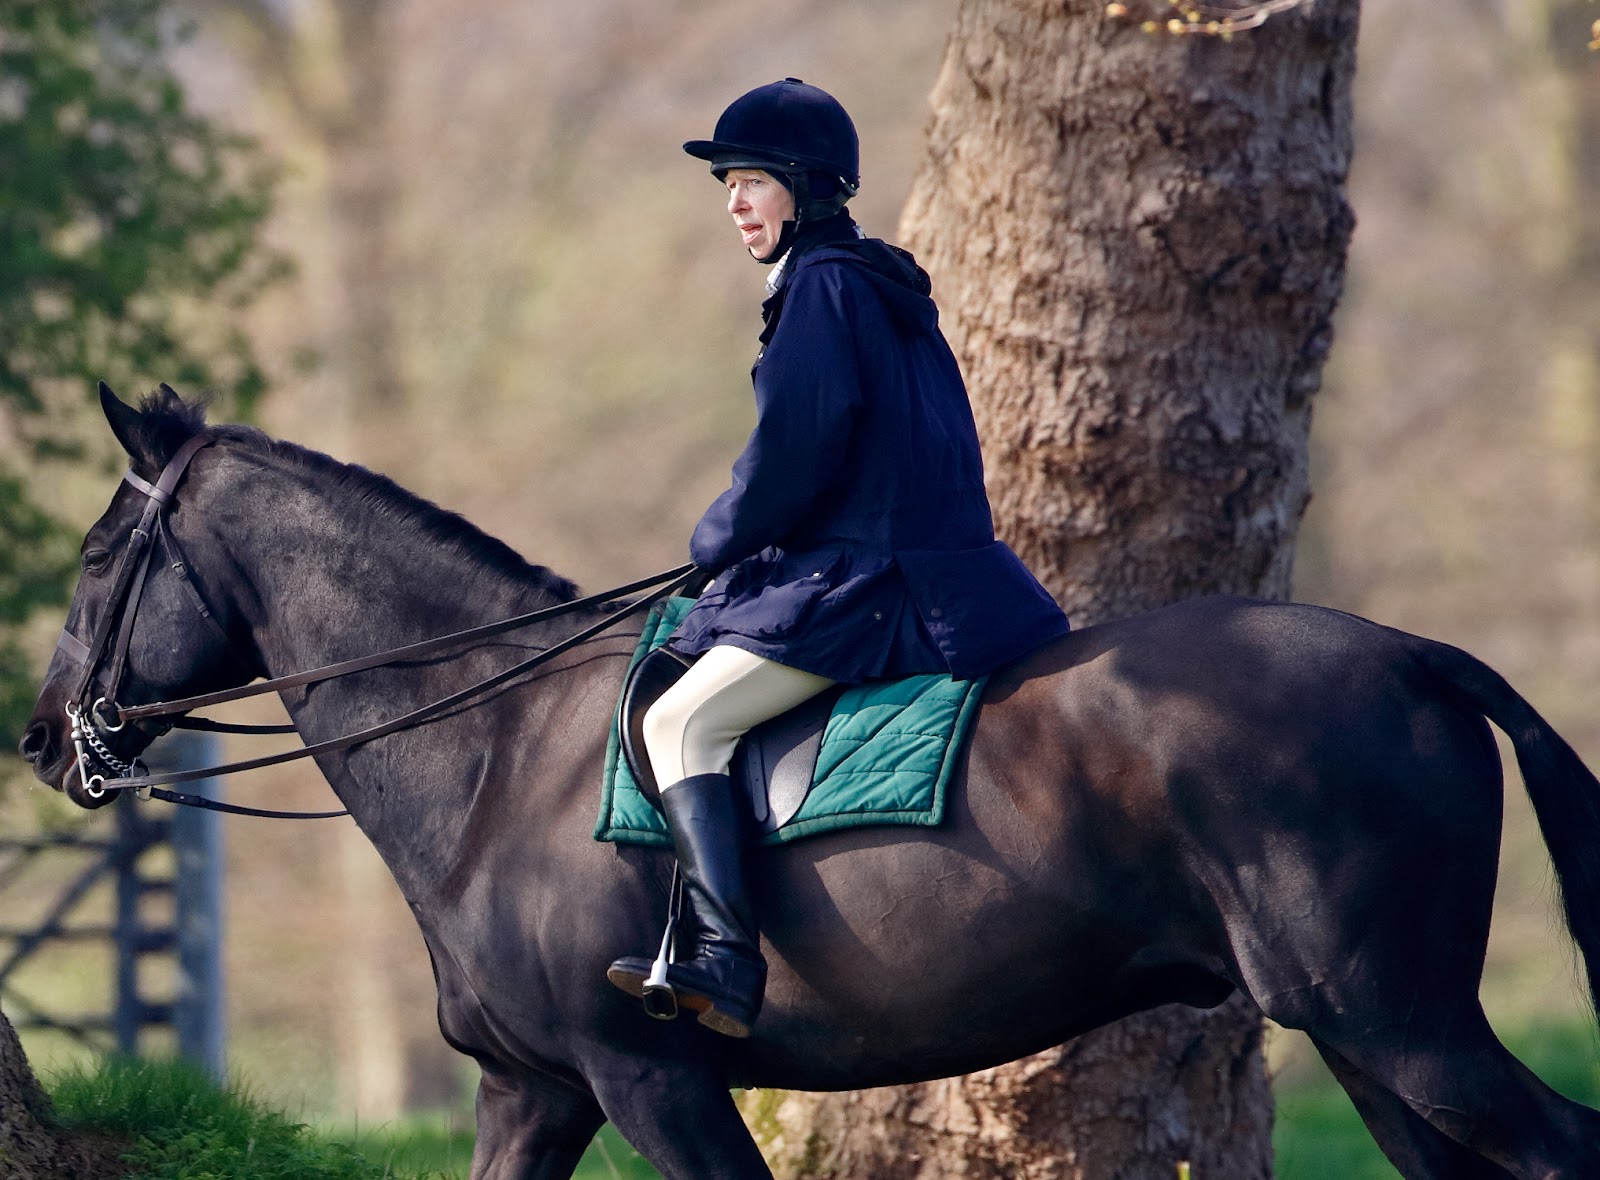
{"x": 138, "y": 830}
{"x": 201, "y": 1009}
{"x": 189, "y": 927}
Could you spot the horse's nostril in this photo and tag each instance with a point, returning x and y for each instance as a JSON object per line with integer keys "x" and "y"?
{"x": 36, "y": 742}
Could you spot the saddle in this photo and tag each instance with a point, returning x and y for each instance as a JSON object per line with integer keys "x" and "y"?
{"x": 773, "y": 764}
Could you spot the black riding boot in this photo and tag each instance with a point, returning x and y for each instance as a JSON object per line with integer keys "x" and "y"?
{"x": 725, "y": 978}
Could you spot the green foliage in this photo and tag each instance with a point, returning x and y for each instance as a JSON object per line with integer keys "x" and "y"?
{"x": 128, "y": 233}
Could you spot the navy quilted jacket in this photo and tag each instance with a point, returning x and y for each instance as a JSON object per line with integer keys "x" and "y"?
{"x": 856, "y": 540}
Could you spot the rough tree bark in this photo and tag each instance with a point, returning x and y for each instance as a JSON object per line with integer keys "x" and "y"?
{"x": 31, "y": 1147}
{"x": 1138, "y": 243}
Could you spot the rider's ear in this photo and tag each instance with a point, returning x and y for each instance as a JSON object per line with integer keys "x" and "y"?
{"x": 124, "y": 419}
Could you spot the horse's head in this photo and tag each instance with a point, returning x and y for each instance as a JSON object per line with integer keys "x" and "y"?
{"x": 143, "y": 625}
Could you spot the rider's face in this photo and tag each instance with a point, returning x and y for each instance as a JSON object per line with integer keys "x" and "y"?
{"x": 760, "y": 206}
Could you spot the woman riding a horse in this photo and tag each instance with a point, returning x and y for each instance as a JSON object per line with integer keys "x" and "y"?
{"x": 856, "y": 541}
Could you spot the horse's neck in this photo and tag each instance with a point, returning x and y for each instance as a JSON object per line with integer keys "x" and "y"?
{"x": 336, "y": 575}
{"x": 333, "y": 578}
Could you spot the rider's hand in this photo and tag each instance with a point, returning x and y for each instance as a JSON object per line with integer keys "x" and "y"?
{"x": 698, "y": 581}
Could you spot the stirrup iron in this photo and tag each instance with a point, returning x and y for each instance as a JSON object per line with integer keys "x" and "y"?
{"x": 660, "y": 1000}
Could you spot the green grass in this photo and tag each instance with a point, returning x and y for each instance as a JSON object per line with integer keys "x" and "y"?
{"x": 441, "y": 1147}
{"x": 183, "y": 1127}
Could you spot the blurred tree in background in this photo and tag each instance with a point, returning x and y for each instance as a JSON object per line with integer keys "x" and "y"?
{"x": 122, "y": 212}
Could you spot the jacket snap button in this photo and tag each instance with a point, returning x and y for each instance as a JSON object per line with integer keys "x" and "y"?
{"x": 936, "y": 613}
{"x": 878, "y": 614}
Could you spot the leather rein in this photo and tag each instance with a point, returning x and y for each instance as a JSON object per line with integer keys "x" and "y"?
{"x": 92, "y": 723}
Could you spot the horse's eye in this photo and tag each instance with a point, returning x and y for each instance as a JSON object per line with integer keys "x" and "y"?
{"x": 95, "y": 560}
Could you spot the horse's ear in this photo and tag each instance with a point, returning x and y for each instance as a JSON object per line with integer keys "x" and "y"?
{"x": 124, "y": 420}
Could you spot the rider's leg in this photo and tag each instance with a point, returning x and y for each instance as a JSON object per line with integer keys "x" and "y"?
{"x": 690, "y": 734}
{"x": 694, "y": 727}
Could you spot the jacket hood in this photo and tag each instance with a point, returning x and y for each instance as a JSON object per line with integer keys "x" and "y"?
{"x": 903, "y": 285}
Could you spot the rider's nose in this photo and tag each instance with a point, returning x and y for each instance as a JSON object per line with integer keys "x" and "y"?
{"x": 36, "y": 742}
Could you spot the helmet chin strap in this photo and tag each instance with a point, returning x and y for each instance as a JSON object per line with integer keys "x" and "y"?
{"x": 785, "y": 240}
{"x": 806, "y": 208}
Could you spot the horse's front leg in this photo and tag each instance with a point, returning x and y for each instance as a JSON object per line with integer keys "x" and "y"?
{"x": 680, "y": 1116}
{"x": 531, "y": 1127}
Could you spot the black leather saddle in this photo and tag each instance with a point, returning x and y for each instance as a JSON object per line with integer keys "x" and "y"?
{"x": 773, "y": 763}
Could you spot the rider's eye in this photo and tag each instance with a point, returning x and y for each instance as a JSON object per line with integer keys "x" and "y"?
{"x": 95, "y": 560}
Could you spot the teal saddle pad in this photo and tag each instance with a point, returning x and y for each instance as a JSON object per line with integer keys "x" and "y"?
{"x": 888, "y": 751}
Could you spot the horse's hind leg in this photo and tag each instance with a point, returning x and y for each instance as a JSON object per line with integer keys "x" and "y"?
{"x": 1368, "y": 932}
{"x": 1456, "y": 1077}
{"x": 1416, "y": 1149}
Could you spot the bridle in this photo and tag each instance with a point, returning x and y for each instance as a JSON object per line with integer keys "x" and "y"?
{"x": 92, "y": 723}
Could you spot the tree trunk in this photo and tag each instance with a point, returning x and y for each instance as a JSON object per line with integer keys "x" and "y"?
{"x": 333, "y": 64}
{"x": 30, "y": 1147}
{"x": 1138, "y": 243}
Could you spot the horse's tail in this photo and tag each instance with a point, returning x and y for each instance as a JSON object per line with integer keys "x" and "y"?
{"x": 1564, "y": 792}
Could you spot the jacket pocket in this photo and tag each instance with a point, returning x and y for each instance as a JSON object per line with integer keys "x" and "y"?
{"x": 794, "y": 584}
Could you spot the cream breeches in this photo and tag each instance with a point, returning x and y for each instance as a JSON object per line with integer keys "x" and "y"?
{"x": 697, "y": 722}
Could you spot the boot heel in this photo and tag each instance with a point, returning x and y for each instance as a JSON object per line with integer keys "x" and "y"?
{"x": 729, "y": 1025}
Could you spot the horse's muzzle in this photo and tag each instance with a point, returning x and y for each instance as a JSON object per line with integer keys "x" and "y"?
{"x": 39, "y": 747}
{"x": 55, "y": 765}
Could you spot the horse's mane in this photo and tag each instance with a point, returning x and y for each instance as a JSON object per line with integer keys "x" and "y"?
{"x": 168, "y": 420}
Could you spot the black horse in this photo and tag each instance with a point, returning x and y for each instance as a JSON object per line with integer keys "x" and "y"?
{"x": 1224, "y": 795}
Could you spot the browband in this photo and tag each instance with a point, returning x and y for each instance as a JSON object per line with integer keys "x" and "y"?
{"x": 161, "y": 491}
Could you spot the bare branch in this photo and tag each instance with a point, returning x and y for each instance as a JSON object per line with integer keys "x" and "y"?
{"x": 1208, "y": 20}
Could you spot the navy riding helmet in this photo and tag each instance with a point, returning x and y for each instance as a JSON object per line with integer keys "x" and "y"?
{"x": 798, "y": 133}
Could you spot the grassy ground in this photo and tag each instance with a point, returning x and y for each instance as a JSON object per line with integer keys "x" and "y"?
{"x": 181, "y": 1127}
{"x": 429, "y": 1147}
{"x": 184, "y": 1128}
